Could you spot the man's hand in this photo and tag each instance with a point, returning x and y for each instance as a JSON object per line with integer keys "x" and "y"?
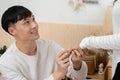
{"x": 62, "y": 61}
{"x": 78, "y": 55}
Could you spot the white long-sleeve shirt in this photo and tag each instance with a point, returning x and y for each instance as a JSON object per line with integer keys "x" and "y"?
{"x": 116, "y": 17}
{"x": 15, "y": 65}
{"x": 108, "y": 42}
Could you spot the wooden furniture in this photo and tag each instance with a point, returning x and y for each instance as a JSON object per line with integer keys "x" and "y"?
{"x": 107, "y": 74}
{"x": 96, "y": 76}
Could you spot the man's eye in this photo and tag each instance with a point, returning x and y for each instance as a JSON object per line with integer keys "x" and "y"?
{"x": 27, "y": 21}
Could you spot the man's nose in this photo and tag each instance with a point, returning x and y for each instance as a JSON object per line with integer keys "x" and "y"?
{"x": 34, "y": 24}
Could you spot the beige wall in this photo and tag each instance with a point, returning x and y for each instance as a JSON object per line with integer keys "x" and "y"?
{"x": 5, "y": 38}
{"x": 66, "y": 35}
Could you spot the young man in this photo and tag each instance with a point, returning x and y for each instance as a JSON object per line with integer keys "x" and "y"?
{"x": 30, "y": 58}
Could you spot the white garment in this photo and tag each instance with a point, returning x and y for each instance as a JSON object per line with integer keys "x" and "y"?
{"x": 108, "y": 42}
{"x": 15, "y": 65}
{"x": 116, "y": 17}
{"x": 116, "y": 29}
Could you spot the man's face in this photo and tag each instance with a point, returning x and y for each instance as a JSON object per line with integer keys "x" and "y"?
{"x": 25, "y": 29}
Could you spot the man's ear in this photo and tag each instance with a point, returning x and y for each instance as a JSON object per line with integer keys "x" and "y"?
{"x": 11, "y": 30}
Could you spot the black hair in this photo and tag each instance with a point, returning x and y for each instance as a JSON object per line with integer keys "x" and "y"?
{"x": 14, "y": 14}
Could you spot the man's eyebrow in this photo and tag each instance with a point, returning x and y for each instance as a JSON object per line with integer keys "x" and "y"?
{"x": 28, "y": 18}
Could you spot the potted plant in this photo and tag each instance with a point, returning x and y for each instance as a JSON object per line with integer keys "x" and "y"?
{"x": 3, "y": 49}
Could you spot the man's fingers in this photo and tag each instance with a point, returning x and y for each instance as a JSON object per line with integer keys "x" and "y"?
{"x": 61, "y": 53}
{"x": 65, "y": 61}
{"x": 85, "y": 51}
{"x": 76, "y": 52}
{"x": 69, "y": 50}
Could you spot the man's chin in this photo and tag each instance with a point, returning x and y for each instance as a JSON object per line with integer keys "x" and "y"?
{"x": 37, "y": 37}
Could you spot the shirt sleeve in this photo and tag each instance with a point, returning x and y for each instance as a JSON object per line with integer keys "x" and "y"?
{"x": 9, "y": 69}
{"x": 50, "y": 78}
{"x": 8, "y": 73}
{"x": 104, "y": 42}
{"x": 77, "y": 75}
